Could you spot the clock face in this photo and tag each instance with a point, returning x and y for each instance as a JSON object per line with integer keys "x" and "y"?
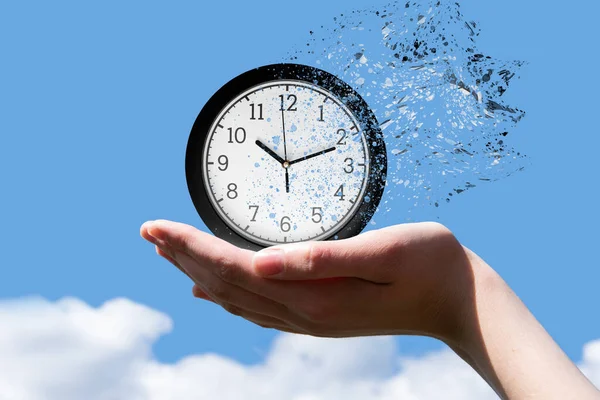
{"x": 285, "y": 153}
{"x": 286, "y": 161}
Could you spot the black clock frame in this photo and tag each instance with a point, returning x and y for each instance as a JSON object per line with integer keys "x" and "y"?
{"x": 343, "y": 92}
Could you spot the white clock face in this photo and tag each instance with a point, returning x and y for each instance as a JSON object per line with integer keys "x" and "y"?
{"x": 286, "y": 162}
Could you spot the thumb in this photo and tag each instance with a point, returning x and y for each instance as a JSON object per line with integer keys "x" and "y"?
{"x": 350, "y": 258}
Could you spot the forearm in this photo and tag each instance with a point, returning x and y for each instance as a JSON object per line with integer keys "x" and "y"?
{"x": 510, "y": 349}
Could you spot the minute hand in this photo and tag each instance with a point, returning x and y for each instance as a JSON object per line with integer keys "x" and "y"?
{"x": 312, "y": 156}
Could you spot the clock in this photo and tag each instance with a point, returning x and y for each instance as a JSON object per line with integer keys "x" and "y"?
{"x": 285, "y": 153}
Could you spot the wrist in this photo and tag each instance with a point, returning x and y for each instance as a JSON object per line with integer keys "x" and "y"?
{"x": 498, "y": 336}
{"x": 473, "y": 280}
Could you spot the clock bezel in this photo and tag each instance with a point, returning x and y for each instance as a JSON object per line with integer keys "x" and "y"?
{"x": 200, "y": 132}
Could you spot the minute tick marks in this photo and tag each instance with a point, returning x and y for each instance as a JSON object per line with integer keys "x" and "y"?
{"x": 277, "y": 169}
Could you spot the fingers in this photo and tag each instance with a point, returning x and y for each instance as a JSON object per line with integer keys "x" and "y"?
{"x": 231, "y": 265}
{"x": 234, "y": 298}
{"x": 369, "y": 256}
{"x": 308, "y": 306}
{"x": 201, "y": 294}
{"x": 261, "y": 320}
{"x": 187, "y": 239}
{"x": 170, "y": 259}
{"x": 242, "y": 302}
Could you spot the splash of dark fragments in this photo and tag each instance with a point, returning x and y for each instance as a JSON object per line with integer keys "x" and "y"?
{"x": 438, "y": 98}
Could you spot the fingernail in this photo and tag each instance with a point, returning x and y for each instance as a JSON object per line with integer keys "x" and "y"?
{"x": 268, "y": 262}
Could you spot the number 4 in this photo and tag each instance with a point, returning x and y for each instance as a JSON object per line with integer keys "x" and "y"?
{"x": 340, "y": 193}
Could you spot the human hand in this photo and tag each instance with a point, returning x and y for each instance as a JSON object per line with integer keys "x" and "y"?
{"x": 406, "y": 279}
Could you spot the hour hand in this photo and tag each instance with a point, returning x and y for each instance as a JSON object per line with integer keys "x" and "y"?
{"x": 269, "y": 151}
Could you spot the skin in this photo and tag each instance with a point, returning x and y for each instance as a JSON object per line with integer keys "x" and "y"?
{"x": 412, "y": 279}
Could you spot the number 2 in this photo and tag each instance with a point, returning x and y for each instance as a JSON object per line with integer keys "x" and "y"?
{"x": 291, "y": 97}
{"x": 342, "y": 141}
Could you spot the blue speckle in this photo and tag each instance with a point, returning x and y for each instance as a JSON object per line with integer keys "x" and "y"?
{"x": 256, "y": 165}
{"x": 276, "y": 140}
{"x": 268, "y": 119}
{"x": 293, "y": 128}
{"x": 272, "y": 215}
{"x": 334, "y": 218}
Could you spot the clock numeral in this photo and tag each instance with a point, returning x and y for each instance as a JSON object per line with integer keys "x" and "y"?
{"x": 239, "y": 136}
{"x": 285, "y": 226}
{"x": 342, "y": 141}
{"x": 255, "y": 212}
{"x": 350, "y": 167}
{"x": 232, "y": 191}
{"x": 317, "y": 215}
{"x": 260, "y": 112}
{"x": 340, "y": 193}
{"x": 224, "y": 163}
{"x": 292, "y": 98}
{"x": 321, "y": 117}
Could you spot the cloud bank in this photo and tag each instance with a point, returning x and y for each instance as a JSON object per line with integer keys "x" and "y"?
{"x": 67, "y": 350}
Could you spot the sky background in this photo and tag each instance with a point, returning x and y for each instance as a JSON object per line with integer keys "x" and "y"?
{"x": 96, "y": 104}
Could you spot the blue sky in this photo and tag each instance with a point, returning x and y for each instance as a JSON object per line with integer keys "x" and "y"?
{"x": 97, "y": 101}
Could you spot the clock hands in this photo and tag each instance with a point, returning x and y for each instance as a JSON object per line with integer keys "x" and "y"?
{"x": 270, "y": 152}
{"x": 287, "y": 164}
{"x": 287, "y": 177}
{"x": 320, "y": 153}
{"x": 283, "y": 163}
{"x": 283, "y": 123}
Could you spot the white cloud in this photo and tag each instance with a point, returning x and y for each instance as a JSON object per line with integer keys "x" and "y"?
{"x": 70, "y": 351}
{"x": 590, "y": 365}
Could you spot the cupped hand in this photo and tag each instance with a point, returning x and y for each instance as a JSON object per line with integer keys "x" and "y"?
{"x": 405, "y": 279}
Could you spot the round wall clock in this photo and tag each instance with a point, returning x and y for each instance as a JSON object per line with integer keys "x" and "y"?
{"x": 285, "y": 153}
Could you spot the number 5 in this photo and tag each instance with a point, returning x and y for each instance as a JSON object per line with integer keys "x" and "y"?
{"x": 317, "y": 213}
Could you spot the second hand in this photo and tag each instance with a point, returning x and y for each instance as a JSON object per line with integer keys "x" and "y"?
{"x": 285, "y": 164}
